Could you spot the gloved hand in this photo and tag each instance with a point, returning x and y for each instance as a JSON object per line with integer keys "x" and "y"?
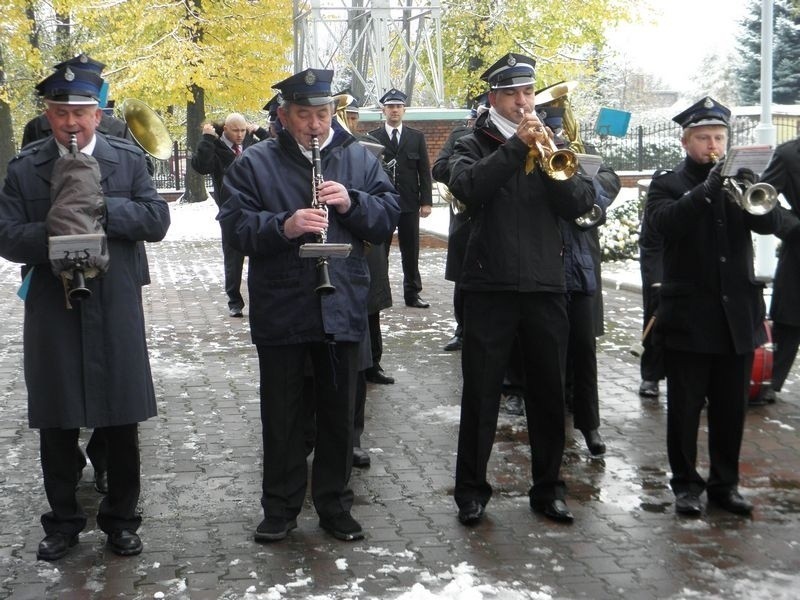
{"x": 745, "y": 174}
{"x": 712, "y": 186}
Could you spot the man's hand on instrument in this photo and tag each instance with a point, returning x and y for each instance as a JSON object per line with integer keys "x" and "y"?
{"x": 531, "y": 130}
{"x": 332, "y": 193}
{"x": 305, "y": 220}
{"x": 712, "y": 186}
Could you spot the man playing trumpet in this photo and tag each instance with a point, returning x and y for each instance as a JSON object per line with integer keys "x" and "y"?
{"x": 513, "y": 284}
{"x": 711, "y": 309}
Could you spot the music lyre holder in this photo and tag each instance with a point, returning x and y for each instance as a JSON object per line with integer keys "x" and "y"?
{"x": 73, "y": 254}
{"x": 320, "y": 250}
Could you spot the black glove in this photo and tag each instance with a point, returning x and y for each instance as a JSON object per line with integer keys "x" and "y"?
{"x": 745, "y": 174}
{"x": 712, "y": 186}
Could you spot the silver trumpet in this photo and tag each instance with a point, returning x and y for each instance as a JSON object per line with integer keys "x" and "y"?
{"x": 755, "y": 198}
{"x": 589, "y": 219}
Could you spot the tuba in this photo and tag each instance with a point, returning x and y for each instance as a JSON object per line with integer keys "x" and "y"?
{"x": 557, "y": 95}
{"x": 147, "y": 128}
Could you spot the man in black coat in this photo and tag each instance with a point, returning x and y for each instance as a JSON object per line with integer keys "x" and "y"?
{"x": 513, "y": 284}
{"x": 217, "y": 149}
{"x": 412, "y": 178}
{"x": 783, "y": 173}
{"x": 711, "y": 311}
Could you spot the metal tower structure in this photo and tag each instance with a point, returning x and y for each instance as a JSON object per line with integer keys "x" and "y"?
{"x": 373, "y": 46}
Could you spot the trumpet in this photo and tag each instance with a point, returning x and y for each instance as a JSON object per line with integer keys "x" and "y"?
{"x": 756, "y": 198}
{"x": 557, "y": 164}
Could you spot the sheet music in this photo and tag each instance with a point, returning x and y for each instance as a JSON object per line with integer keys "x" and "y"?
{"x": 755, "y": 158}
{"x": 589, "y": 163}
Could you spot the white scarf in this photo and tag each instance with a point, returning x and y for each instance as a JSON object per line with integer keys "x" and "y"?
{"x": 504, "y": 126}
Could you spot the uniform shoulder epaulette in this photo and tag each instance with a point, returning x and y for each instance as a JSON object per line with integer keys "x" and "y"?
{"x": 28, "y": 149}
{"x": 661, "y": 172}
{"x": 123, "y": 144}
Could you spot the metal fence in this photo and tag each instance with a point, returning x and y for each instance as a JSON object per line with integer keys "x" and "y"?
{"x": 656, "y": 146}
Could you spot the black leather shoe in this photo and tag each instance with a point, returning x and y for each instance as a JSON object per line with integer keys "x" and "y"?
{"x": 273, "y": 529}
{"x": 125, "y": 543}
{"x": 470, "y": 513}
{"x": 235, "y": 312}
{"x": 374, "y": 375}
{"x": 454, "y": 344}
{"x": 555, "y": 510}
{"x": 648, "y": 389}
{"x": 101, "y": 482}
{"x": 360, "y": 457}
{"x": 732, "y": 502}
{"x": 688, "y": 504}
{"x": 55, "y": 546}
{"x": 514, "y": 405}
{"x": 594, "y": 442}
{"x": 342, "y": 526}
{"x": 417, "y": 302}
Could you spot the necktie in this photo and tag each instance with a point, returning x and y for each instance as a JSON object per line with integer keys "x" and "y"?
{"x": 394, "y": 139}
{"x": 237, "y": 149}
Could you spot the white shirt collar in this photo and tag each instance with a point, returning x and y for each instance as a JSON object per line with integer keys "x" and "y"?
{"x": 389, "y": 130}
{"x": 87, "y": 149}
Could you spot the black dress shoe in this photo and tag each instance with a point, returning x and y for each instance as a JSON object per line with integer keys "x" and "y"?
{"x": 555, "y": 510}
{"x": 514, "y": 405}
{"x": 454, "y": 344}
{"x": 273, "y": 529}
{"x": 688, "y": 504}
{"x": 470, "y": 513}
{"x": 101, "y": 481}
{"x": 374, "y": 375}
{"x": 125, "y": 542}
{"x": 594, "y": 442}
{"x": 342, "y": 526}
{"x": 649, "y": 389}
{"x": 55, "y": 546}
{"x": 360, "y": 457}
{"x": 417, "y": 302}
{"x": 235, "y": 312}
{"x": 732, "y": 502}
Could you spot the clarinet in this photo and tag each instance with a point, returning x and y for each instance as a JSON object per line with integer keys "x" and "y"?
{"x": 324, "y": 285}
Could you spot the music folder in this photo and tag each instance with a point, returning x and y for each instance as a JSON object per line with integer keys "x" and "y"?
{"x": 755, "y": 158}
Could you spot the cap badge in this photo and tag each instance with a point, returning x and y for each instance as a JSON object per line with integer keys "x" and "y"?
{"x": 69, "y": 75}
{"x": 83, "y": 58}
{"x": 709, "y": 103}
{"x": 310, "y": 78}
{"x": 511, "y": 61}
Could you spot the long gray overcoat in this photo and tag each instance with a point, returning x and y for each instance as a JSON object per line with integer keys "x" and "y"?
{"x": 86, "y": 366}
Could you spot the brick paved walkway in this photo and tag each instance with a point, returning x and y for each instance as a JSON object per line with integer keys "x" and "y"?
{"x": 202, "y": 461}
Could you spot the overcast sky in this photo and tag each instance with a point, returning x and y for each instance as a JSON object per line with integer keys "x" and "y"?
{"x": 680, "y": 36}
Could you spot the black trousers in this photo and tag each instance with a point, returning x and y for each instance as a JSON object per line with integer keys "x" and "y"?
{"x": 722, "y": 380}
{"x": 786, "y": 339}
{"x": 458, "y": 309}
{"x": 651, "y": 365}
{"x": 375, "y": 337}
{"x": 492, "y": 321}
{"x": 96, "y": 451}
{"x": 117, "y": 508}
{"x": 233, "y": 261}
{"x": 582, "y": 363}
{"x": 283, "y": 425}
{"x": 408, "y": 242}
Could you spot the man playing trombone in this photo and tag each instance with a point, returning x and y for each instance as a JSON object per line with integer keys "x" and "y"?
{"x": 513, "y": 283}
{"x": 711, "y": 309}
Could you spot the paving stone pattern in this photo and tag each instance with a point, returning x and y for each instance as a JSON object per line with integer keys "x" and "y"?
{"x": 201, "y": 467}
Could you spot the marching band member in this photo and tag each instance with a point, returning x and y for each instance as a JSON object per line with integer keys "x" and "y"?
{"x": 513, "y": 284}
{"x": 711, "y": 309}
